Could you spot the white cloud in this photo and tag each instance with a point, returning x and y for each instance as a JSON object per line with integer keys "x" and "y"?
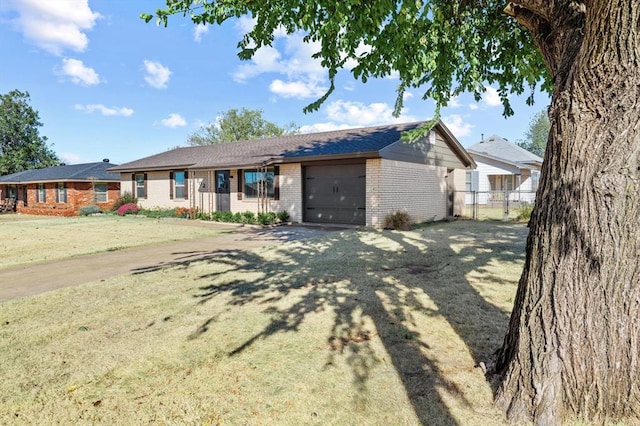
{"x": 78, "y": 72}
{"x": 323, "y": 127}
{"x": 473, "y": 107}
{"x": 297, "y": 89}
{"x": 291, "y": 57}
{"x": 359, "y": 114}
{"x": 454, "y": 102}
{"x": 457, "y": 125}
{"x": 348, "y": 114}
{"x": 174, "y": 120}
{"x": 491, "y": 97}
{"x": 54, "y": 25}
{"x": 71, "y": 158}
{"x": 157, "y": 74}
{"x": 107, "y": 111}
{"x": 199, "y": 31}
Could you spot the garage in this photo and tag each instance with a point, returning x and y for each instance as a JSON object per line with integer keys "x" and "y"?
{"x": 335, "y": 193}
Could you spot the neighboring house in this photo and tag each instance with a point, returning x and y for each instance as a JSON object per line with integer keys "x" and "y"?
{"x": 503, "y": 168}
{"x": 354, "y": 176}
{"x": 62, "y": 190}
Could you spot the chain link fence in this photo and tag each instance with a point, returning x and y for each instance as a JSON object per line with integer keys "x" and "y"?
{"x": 494, "y": 205}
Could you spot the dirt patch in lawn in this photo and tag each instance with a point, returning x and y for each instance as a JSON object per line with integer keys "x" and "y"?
{"x": 356, "y": 327}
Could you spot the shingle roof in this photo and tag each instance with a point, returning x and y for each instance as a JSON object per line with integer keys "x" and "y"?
{"x": 350, "y": 142}
{"x": 499, "y": 148}
{"x": 75, "y": 172}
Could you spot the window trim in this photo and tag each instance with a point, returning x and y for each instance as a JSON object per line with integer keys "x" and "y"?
{"x": 61, "y": 192}
{"x": 173, "y": 186}
{"x": 41, "y": 193}
{"x": 106, "y": 192}
{"x": 135, "y": 186}
{"x": 272, "y": 194}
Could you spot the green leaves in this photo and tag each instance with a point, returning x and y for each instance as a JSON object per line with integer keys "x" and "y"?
{"x": 21, "y": 146}
{"x": 443, "y": 46}
{"x": 234, "y": 125}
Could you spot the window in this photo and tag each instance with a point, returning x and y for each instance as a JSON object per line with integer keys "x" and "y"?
{"x": 509, "y": 182}
{"x": 535, "y": 176}
{"x": 256, "y": 182}
{"x": 140, "y": 185}
{"x": 178, "y": 187}
{"x": 471, "y": 181}
{"x": 100, "y": 192}
{"x": 61, "y": 193}
{"x": 12, "y": 191}
{"x": 41, "y": 193}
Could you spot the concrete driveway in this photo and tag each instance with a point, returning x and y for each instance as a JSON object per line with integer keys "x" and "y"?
{"x": 27, "y": 280}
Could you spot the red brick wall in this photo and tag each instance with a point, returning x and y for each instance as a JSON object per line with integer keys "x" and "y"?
{"x": 79, "y": 194}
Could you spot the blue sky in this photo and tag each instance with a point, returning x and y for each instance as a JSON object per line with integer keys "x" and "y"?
{"x": 107, "y": 85}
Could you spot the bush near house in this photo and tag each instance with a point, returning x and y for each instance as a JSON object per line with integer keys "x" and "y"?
{"x": 126, "y": 198}
{"x": 89, "y": 210}
{"x": 128, "y": 208}
{"x": 399, "y": 221}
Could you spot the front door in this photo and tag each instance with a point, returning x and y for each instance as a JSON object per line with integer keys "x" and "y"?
{"x": 223, "y": 192}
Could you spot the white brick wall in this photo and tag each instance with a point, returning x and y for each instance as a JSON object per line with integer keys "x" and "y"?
{"x": 417, "y": 189}
{"x": 158, "y": 190}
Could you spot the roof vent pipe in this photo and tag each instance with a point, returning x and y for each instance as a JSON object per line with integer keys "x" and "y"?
{"x": 105, "y": 160}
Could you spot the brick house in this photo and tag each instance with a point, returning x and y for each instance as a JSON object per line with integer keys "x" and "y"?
{"x": 62, "y": 190}
{"x": 354, "y": 176}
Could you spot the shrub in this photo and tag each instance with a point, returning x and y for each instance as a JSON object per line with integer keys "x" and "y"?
{"x": 126, "y": 198}
{"x": 266, "y": 218}
{"x": 185, "y": 212}
{"x": 399, "y": 221}
{"x": 157, "y": 213}
{"x": 282, "y": 216}
{"x": 88, "y": 210}
{"x": 524, "y": 211}
{"x": 248, "y": 218}
{"x": 128, "y": 208}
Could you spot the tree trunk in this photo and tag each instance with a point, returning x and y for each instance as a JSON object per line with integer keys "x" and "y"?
{"x": 573, "y": 344}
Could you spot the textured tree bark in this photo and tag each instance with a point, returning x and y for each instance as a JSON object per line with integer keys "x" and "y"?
{"x": 573, "y": 344}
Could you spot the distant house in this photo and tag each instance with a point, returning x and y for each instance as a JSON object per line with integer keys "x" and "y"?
{"x": 503, "y": 168}
{"x": 61, "y": 190}
{"x": 354, "y": 176}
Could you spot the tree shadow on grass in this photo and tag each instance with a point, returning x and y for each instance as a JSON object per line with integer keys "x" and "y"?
{"x": 395, "y": 281}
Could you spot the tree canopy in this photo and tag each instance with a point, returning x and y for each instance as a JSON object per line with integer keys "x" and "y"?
{"x": 21, "y": 146}
{"x": 535, "y": 138}
{"x": 449, "y": 47}
{"x": 233, "y": 125}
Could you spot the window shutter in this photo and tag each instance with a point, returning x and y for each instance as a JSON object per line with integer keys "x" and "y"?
{"x": 276, "y": 182}
{"x": 240, "y": 184}
{"x": 186, "y": 185}
{"x": 133, "y": 185}
{"x": 145, "y": 185}
{"x": 171, "y": 183}
{"x": 57, "y": 193}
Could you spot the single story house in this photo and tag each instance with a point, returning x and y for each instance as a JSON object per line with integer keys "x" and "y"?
{"x": 504, "y": 169}
{"x": 62, "y": 190}
{"x": 354, "y": 176}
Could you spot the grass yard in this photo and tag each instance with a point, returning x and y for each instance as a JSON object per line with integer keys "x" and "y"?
{"x": 27, "y": 239}
{"x": 356, "y": 327}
